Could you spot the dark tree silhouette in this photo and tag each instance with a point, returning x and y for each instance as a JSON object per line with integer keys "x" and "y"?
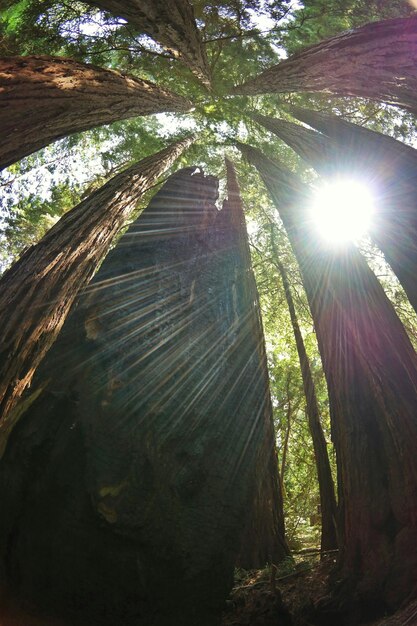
{"x": 151, "y": 434}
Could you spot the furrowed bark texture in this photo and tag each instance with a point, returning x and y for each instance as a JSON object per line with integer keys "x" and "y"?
{"x": 264, "y": 535}
{"x": 309, "y": 144}
{"x": 390, "y": 168}
{"x": 45, "y": 98}
{"x": 377, "y": 61}
{"x": 326, "y": 486}
{"x": 340, "y": 130}
{"x": 39, "y": 289}
{"x": 371, "y": 373}
{"x": 126, "y": 483}
{"x": 169, "y": 22}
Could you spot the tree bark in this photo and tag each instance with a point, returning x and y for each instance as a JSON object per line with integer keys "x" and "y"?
{"x": 387, "y": 165}
{"x": 39, "y": 289}
{"x": 289, "y": 422}
{"x": 377, "y": 61}
{"x": 45, "y": 98}
{"x": 310, "y": 145}
{"x": 263, "y": 539}
{"x": 371, "y": 371}
{"x": 171, "y": 23}
{"x": 126, "y": 483}
{"x": 326, "y": 487}
{"x": 339, "y": 130}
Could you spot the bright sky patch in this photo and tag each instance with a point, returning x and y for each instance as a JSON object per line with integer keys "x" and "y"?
{"x": 342, "y": 210}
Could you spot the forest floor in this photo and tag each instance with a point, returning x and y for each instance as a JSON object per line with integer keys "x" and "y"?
{"x": 288, "y": 596}
{"x": 260, "y": 598}
{"x": 279, "y": 598}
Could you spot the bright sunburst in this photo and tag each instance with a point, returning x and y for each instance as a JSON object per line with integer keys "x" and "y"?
{"x": 342, "y": 210}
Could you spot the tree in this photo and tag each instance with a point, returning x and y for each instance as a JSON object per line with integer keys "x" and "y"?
{"x": 171, "y": 23}
{"x": 306, "y": 142}
{"x": 326, "y": 487}
{"x": 371, "y": 371}
{"x": 45, "y": 98}
{"x": 390, "y": 165}
{"x": 238, "y": 46}
{"x": 39, "y": 289}
{"x": 294, "y": 442}
{"x": 355, "y": 63}
{"x": 340, "y": 129}
{"x": 387, "y": 164}
{"x": 263, "y": 540}
{"x": 316, "y": 20}
{"x": 157, "y": 386}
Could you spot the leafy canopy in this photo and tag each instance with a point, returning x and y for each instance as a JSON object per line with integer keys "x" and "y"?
{"x": 241, "y": 38}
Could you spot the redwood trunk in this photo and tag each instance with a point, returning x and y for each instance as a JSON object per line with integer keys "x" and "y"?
{"x": 390, "y": 168}
{"x": 326, "y": 487}
{"x": 317, "y": 150}
{"x": 126, "y": 484}
{"x": 341, "y": 130}
{"x": 39, "y": 289}
{"x": 45, "y": 98}
{"x": 377, "y": 61}
{"x": 371, "y": 370}
{"x": 263, "y": 540}
{"x": 171, "y": 23}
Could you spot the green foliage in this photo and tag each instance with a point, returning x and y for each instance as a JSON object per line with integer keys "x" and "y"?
{"x": 31, "y": 217}
{"x": 241, "y": 37}
{"x": 318, "y": 19}
{"x": 13, "y": 15}
{"x": 392, "y": 288}
{"x": 295, "y": 449}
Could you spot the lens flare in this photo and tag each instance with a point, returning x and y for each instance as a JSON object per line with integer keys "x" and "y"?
{"x": 342, "y": 210}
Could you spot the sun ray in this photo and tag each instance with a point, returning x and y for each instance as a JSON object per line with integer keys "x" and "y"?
{"x": 342, "y": 210}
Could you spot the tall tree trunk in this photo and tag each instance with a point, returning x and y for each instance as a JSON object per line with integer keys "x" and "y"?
{"x": 290, "y": 411}
{"x": 125, "y": 485}
{"x": 171, "y": 23}
{"x": 324, "y": 474}
{"x": 39, "y": 289}
{"x": 377, "y": 61}
{"x": 317, "y": 150}
{"x": 340, "y": 130}
{"x": 389, "y": 167}
{"x": 371, "y": 371}
{"x": 45, "y": 98}
{"x": 264, "y": 536}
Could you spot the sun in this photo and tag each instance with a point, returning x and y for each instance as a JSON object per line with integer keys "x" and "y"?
{"x": 342, "y": 210}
